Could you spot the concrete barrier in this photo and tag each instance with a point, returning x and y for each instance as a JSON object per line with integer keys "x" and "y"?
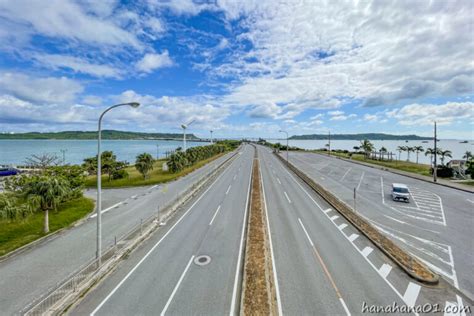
{"x": 411, "y": 265}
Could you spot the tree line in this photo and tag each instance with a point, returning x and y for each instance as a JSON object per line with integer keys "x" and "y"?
{"x": 183, "y": 159}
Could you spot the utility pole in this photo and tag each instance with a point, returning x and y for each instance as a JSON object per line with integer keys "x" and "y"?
{"x": 435, "y": 169}
{"x": 64, "y": 155}
{"x": 329, "y": 143}
{"x": 211, "y": 138}
{"x": 157, "y": 151}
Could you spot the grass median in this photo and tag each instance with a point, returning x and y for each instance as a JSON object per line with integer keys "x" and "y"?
{"x": 14, "y": 234}
{"x": 156, "y": 176}
{"x": 407, "y": 166}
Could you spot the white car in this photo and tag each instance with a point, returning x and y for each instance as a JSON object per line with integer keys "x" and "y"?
{"x": 400, "y": 192}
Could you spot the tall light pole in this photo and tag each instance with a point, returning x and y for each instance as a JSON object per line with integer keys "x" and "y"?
{"x": 329, "y": 143}
{"x": 157, "y": 151}
{"x": 281, "y": 131}
{"x": 435, "y": 167}
{"x": 99, "y": 180}
{"x": 211, "y": 137}
{"x": 184, "y": 127}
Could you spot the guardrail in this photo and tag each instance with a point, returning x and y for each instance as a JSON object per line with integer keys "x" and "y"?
{"x": 411, "y": 265}
{"x": 62, "y": 296}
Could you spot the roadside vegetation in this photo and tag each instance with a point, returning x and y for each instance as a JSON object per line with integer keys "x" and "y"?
{"x": 148, "y": 171}
{"x": 50, "y": 198}
{"x": 366, "y": 152}
{"x": 35, "y": 205}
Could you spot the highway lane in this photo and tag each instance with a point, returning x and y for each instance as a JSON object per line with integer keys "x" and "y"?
{"x": 29, "y": 275}
{"x": 324, "y": 265}
{"x": 162, "y": 277}
{"x": 436, "y": 225}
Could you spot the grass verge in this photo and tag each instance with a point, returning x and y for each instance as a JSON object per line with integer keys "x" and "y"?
{"x": 14, "y": 234}
{"x": 257, "y": 296}
{"x": 157, "y": 175}
{"x": 407, "y": 166}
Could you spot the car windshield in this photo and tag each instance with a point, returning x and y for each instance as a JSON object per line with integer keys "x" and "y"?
{"x": 400, "y": 190}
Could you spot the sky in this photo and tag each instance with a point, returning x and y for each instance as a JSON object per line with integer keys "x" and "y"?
{"x": 239, "y": 68}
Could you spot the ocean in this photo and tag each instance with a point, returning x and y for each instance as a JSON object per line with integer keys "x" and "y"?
{"x": 14, "y": 152}
{"x": 455, "y": 146}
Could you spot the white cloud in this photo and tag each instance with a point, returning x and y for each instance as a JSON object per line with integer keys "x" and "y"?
{"x": 426, "y": 114}
{"x": 56, "y": 61}
{"x": 44, "y": 89}
{"x": 66, "y": 19}
{"x": 150, "y": 62}
{"x": 380, "y": 53}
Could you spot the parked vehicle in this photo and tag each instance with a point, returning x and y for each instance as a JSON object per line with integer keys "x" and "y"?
{"x": 400, "y": 192}
{"x": 8, "y": 172}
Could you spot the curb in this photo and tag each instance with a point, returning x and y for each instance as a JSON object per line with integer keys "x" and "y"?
{"x": 386, "y": 245}
{"x": 402, "y": 174}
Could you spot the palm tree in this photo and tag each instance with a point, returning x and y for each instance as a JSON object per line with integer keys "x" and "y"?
{"x": 400, "y": 149}
{"x": 467, "y": 155}
{"x": 431, "y": 152}
{"x": 409, "y": 149}
{"x": 444, "y": 154}
{"x": 418, "y": 149}
{"x": 46, "y": 193}
{"x": 367, "y": 146}
{"x": 144, "y": 164}
{"x": 383, "y": 151}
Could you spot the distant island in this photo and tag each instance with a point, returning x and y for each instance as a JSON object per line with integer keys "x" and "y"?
{"x": 370, "y": 136}
{"x": 106, "y": 134}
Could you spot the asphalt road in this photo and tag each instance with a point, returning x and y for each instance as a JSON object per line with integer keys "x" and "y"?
{"x": 436, "y": 226}
{"x": 164, "y": 276}
{"x": 26, "y": 277}
{"x": 323, "y": 265}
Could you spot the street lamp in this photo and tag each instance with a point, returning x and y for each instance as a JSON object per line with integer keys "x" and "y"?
{"x": 99, "y": 179}
{"x": 281, "y": 131}
{"x": 184, "y": 127}
{"x": 157, "y": 151}
{"x": 211, "y": 137}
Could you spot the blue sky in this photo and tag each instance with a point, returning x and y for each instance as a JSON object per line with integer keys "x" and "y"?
{"x": 240, "y": 68}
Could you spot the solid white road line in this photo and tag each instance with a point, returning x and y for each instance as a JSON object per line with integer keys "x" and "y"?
{"x": 381, "y": 186}
{"x": 215, "y": 214}
{"x": 351, "y": 238}
{"x": 289, "y": 201}
{"x": 334, "y": 217}
{"x": 275, "y": 276}
{"x": 360, "y": 181}
{"x": 107, "y": 209}
{"x": 325, "y": 269}
{"x": 154, "y": 247}
{"x": 327, "y": 210}
{"x": 306, "y": 233}
{"x": 278, "y": 180}
{"x": 385, "y": 270}
{"x": 239, "y": 258}
{"x": 163, "y": 312}
{"x": 235, "y": 176}
{"x": 411, "y": 294}
{"x": 228, "y": 189}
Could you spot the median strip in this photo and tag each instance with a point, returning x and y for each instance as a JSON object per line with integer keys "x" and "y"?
{"x": 410, "y": 264}
{"x": 259, "y": 295}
